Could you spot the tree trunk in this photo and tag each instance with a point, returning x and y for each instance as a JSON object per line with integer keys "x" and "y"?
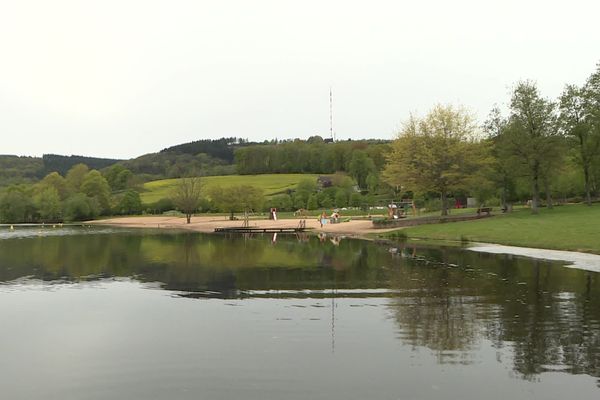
{"x": 231, "y": 216}
{"x": 444, "y": 204}
{"x": 188, "y": 217}
{"x": 535, "y": 195}
{"x": 548, "y": 194}
{"x": 504, "y": 195}
{"x": 586, "y": 175}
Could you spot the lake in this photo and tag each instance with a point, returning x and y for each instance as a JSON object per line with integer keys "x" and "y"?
{"x": 104, "y": 313}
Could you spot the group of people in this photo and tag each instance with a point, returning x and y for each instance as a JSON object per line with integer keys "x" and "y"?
{"x": 323, "y": 219}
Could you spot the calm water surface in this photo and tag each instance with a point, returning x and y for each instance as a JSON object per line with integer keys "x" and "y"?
{"x": 125, "y": 314}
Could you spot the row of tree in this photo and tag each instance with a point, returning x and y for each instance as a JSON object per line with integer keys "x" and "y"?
{"x": 23, "y": 169}
{"x": 360, "y": 159}
{"x": 538, "y": 146}
{"x": 188, "y": 197}
{"x": 81, "y": 194}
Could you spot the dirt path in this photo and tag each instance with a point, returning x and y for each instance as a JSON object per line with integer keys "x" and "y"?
{"x": 208, "y": 224}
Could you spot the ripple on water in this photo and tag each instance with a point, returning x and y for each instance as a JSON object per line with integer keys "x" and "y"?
{"x": 35, "y": 231}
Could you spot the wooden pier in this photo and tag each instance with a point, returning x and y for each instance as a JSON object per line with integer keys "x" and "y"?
{"x": 250, "y": 229}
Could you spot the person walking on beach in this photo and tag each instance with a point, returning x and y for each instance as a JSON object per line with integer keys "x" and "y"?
{"x": 323, "y": 218}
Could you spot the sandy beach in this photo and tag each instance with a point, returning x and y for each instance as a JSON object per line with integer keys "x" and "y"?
{"x": 209, "y": 223}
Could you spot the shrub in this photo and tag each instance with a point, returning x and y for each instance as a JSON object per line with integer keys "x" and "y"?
{"x": 80, "y": 207}
{"x": 356, "y": 199}
{"x": 433, "y": 204}
{"x": 341, "y": 198}
{"x": 313, "y": 203}
{"x": 493, "y": 202}
{"x": 282, "y": 202}
{"x": 15, "y": 207}
{"x": 130, "y": 203}
{"x": 162, "y": 205}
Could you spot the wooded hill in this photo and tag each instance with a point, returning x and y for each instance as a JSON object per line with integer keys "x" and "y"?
{"x": 215, "y": 157}
{"x": 19, "y": 169}
{"x": 228, "y": 156}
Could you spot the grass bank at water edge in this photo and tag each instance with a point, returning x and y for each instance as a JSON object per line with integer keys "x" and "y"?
{"x": 568, "y": 227}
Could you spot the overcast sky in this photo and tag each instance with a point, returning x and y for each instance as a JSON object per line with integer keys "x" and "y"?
{"x": 123, "y": 78}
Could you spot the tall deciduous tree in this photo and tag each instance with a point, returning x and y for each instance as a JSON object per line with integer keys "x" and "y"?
{"x": 118, "y": 177}
{"x": 49, "y": 205}
{"x": 95, "y": 186}
{"x": 305, "y": 188}
{"x": 80, "y": 207}
{"x": 531, "y": 139}
{"x": 130, "y": 203}
{"x": 56, "y": 181}
{"x": 577, "y": 122}
{"x": 502, "y": 171}
{"x": 593, "y": 104}
{"x": 360, "y": 166}
{"x": 580, "y": 120}
{"x": 16, "y": 205}
{"x": 76, "y": 175}
{"x": 435, "y": 153}
{"x": 237, "y": 198}
{"x": 187, "y": 196}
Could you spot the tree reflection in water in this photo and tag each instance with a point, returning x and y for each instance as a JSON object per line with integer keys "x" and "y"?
{"x": 543, "y": 316}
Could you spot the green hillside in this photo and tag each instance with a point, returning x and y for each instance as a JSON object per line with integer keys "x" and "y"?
{"x": 270, "y": 183}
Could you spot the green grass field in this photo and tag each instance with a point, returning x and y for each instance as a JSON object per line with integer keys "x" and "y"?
{"x": 271, "y": 184}
{"x": 570, "y": 227}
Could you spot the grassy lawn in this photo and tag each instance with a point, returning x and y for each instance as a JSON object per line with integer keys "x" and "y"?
{"x": 570, "y": 227}
{"x": 270, "y": 183}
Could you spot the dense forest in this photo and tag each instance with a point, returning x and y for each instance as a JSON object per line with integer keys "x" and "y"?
{"x": 311, "y": 156}
{"x": 61, "y": 164}
{"x": 15, "y": 169}
{"x": 203, "y": 157}
{"x": 219, "y": 148}
{"x": 209, "y": 157}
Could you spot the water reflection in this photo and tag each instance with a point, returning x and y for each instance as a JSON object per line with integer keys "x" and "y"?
{"x": 538, "y": 316}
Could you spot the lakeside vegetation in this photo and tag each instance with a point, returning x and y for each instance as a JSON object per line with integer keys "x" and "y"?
{"x": 540, "y": 153}
{"x": 568, "y": 227}
{"x": 24, "y": 169}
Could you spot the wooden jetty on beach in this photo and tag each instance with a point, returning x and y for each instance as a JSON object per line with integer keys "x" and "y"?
{"x": 246, "y": 228}
{"x": 249, "y": 229}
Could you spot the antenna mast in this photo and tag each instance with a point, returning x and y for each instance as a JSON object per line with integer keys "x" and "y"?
{"x": 331, "y": 114}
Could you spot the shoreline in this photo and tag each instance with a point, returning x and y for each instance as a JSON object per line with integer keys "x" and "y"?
{"x": 574, "y": 259}
{"x": 207, "y": 224}
{"x": 360, "y": 229}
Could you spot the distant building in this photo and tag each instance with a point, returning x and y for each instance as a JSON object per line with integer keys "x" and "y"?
{"x": 324, "y": 181}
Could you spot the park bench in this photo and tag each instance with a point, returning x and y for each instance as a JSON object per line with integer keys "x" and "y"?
{"x": 486, "y": 210}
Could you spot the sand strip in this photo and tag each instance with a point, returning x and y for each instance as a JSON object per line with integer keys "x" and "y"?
{"x": 208, "y": 224}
